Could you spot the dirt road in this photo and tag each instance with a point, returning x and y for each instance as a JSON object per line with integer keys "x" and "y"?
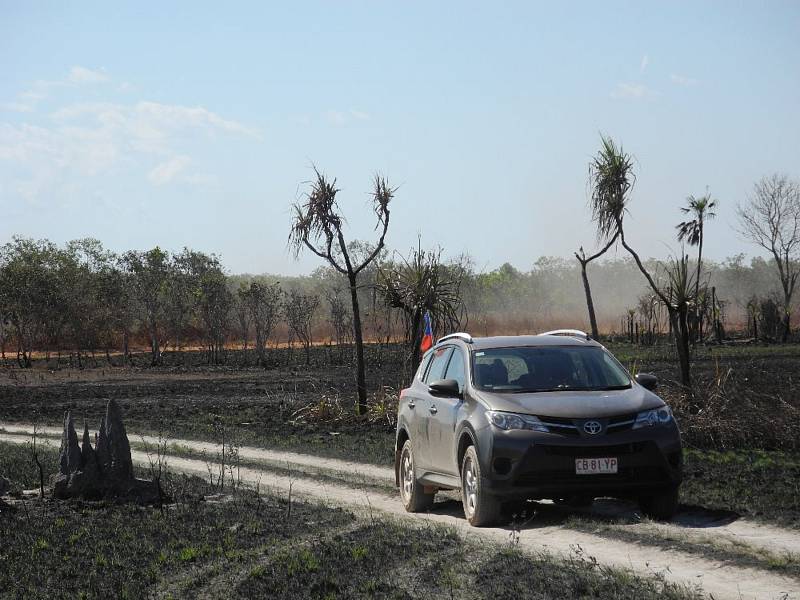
{"x": 721, "y": 579}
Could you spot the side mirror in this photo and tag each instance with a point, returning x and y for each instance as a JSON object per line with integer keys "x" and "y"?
{"x": 647, "y": 381}
{"x": 445, "y": 387}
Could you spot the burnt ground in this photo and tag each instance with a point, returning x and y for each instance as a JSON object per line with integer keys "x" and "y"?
{"x": 237, "y": 544}
{"x": 742, "y": 426}
{"x": 247, "y": 404}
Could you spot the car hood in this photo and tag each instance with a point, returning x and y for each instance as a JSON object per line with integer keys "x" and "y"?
{"x": 574, "y": 404}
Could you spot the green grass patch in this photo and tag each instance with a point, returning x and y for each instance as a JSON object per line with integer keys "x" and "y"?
{"x": 124, "y": 550}
{"x": 392, "y": 560}
{"x": 18, "y": 466}
{"x": 757, "y": 484}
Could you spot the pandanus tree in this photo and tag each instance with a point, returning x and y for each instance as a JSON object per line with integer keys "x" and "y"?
{"x": 421, "y": 283}
{"x": 611, "y": 181}
{"x": 318, "y": 226}
{"x": 691, "y": 231}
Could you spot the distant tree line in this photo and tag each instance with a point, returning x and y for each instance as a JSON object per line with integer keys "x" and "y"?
{"x": 81, "y": 299}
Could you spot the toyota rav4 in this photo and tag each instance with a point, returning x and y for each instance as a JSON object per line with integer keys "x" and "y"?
{"x": 553, "y": 416}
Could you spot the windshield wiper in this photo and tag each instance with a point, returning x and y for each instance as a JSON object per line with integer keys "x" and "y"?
{"x": 567, "y": 388}
{"x": 615, "y": 387}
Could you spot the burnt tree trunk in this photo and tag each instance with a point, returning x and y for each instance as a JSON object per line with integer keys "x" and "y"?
{"x": 680, "y": 325}
{"x": 361, "y": 383}
{"x": 584, "y": 260}
{"x": 589, "y": 302}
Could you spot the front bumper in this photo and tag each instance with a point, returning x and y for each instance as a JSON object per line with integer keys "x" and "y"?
{"x": 525, "y": 464}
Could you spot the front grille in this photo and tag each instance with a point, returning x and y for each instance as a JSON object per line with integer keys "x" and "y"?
{"x": 571, "y": 427}
{"x": 641, "y": 474}
{"x": 594, "y": 451}
{"x": 621, "y": 423}
{"x": 560, "y": 425}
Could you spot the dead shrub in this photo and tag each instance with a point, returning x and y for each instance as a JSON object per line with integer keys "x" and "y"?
{"x": 329, "y": 409}
{"x": 727, "y": 412}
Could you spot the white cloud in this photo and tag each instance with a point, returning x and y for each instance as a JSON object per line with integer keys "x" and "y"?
{"x": 80, "y": 75}
{"x": 635, "y": 91}
{"x": 150, "y": 126}
{"x": 90, "y": 139}
{"x": 681, "y": 80}
{"x": 167, "y": 171}
{"x": 339, "y": 117}
{"x": 27, "y": 101}
{"x": 17, "y": 107}
{"x": 31, "y": 96}
{"x": 644, "y": 63}
{"x": 336, "y": 117}
{"x": 359, "y": 115}
{"x": 167, "y": 115}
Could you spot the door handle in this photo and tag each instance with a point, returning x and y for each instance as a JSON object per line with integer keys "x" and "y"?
{"x": 411, "y": 404}
{"x": 433, "y": 409}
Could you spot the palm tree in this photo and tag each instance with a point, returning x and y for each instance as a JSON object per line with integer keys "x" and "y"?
{"x": 611, "y": 178}
{"x": 702, "y": 209}
{"x": 422, "y": 283}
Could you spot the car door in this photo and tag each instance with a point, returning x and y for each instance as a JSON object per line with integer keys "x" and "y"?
{"x": 424, "y": 408}
{"x": 442, "y": 427}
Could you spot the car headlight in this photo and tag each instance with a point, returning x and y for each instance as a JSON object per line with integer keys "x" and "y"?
{"x": 649, "y": 418}
{"x": 507, "y": 421}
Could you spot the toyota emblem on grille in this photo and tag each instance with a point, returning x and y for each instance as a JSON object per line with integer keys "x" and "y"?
{"x": 592, "y": 427}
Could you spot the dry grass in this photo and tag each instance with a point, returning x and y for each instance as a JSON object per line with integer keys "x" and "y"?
{"x": 727, "y": 411}
{"x": 329, "y": 409}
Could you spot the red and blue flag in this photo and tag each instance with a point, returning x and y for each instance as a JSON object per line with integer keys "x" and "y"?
{"x": 427, "y": 336}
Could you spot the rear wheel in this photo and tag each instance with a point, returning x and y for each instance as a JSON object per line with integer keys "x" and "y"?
{"x": 480, "y": 508}
{"x": 660, "y": 505}
{"x": 414, "y": 497}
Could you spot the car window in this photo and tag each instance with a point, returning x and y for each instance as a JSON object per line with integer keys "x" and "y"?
{"x": 456, "y": 369}
{"x": 548, "y": 368}
{"x": 423, "y": 366}
{"x": 438, "y": 364}
{"x": 499, "y": 368}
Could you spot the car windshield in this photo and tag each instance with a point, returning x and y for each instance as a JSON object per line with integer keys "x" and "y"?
{"x": 547, "y": 369}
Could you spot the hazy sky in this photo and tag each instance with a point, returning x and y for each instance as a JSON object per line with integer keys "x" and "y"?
{"x": 196, "y": 124}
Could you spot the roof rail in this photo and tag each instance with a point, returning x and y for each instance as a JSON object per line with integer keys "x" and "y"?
{"x": 568, "y": 332}
{"x": 459, "y": 335}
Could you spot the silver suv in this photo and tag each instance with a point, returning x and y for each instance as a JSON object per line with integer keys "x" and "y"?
{"x": 553, "y": 415}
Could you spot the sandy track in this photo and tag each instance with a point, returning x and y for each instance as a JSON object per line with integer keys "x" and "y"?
{"x": 774, "y": 539}
{"x": 277, "y": 457}
{"x": 723, "y": 581}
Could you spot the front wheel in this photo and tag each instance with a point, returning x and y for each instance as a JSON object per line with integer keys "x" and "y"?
{"x": 414, "y": 497}
{"x": 660, "y": 505}
{"x": 480, "y": 508}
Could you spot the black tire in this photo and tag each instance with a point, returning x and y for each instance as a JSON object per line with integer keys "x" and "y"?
{"x": 660, "y": 505}
{"x": 480, "y": 508}
{"x": 411, "y": 492}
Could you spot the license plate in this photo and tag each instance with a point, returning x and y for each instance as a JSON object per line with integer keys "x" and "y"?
{"x": 595, "y": 466}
